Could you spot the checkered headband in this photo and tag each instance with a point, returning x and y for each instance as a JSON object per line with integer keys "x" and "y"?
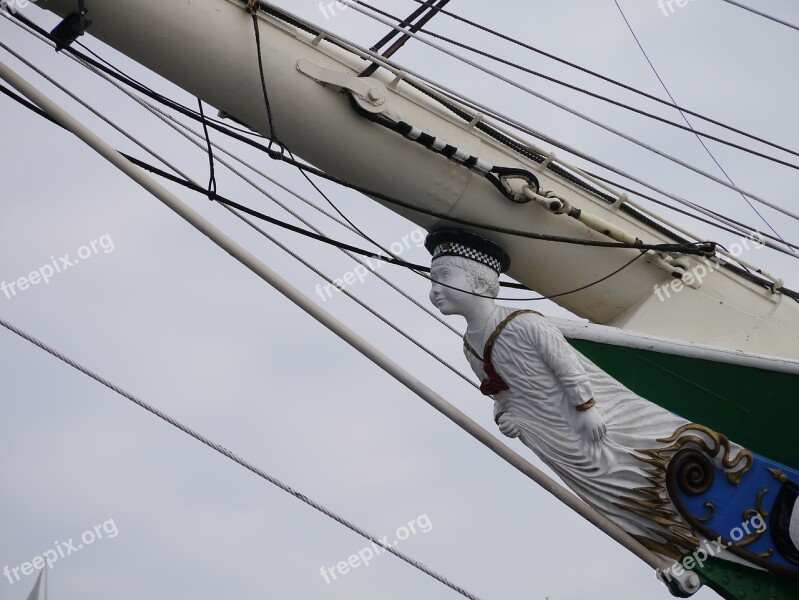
{"x": 453, "y": 249}
{"x": 459, "y": 242}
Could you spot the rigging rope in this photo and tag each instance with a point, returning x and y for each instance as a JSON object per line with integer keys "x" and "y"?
{"x": 235, "y": 207}
{"x": 175, "y": 106}
{"x": 586, "y": 92}
{"x": 417, "y": 26}
{"x": 762, "y": 14}
{"x": 272, "y": 133}
{"x": 458, "y": 98}
{"x": 262, "y": 232}
{"x": 697, "y": 134}
{"x": 573, "y": 111}
{"x": 526, "y": 151}
{"x": 607, "y": 79}
{"x": 210, "y": 152}
{"x": 212, "y": 196}
{"x": 23, "y": 23}
{"x": 240, "y": 461}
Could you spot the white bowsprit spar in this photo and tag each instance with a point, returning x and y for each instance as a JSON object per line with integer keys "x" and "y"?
{"x": 313, "y": 83}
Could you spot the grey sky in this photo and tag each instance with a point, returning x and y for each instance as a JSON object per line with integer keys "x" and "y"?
{"x": 179, "y": 323}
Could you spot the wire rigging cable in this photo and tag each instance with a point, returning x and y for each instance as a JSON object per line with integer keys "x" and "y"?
{"x": 762, "y": 14}
{"x": 211, "y": 195}
{"x": 419, "y": 270}
{"x": 20, "y": 21}
{"x": 443, "y": 94}
{"x": 605, "y": 78}
{"x": 417, "y": 26}
{"x": 591, "y": 94}
{"x": 686, "y": 248}
{"x": 574, "y": 112}
{"x": 699, "y": 139}
{"x": 699, "y": 248}
{"x": 253, "y": 9}
{"x": 526, "y": 151}
{"x": 235, "y": 458}
{"x": 210, "y": 150}
{"x": 185, "y": 131}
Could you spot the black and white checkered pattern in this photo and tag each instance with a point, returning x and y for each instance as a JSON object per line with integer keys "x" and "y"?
{"x": 455, "y": 249}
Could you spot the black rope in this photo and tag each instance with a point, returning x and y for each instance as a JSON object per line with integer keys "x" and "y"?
{"x": 683, "y": 245}
{"x": 762, "y": 14}
{"x": 687, "y": 122}
{"x": 716, "y": 224}
{"x": 272, "y": 132}
{"x": 592, "y": 94}
{"x": 602, "y": 77}
{"x": 212, "y": 179}
{"x": 391, "y": 260}
{"x": 414, "y": 27}
{"x": 341, "y": 245}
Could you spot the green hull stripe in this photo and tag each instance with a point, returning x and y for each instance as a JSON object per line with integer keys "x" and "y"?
{"x": 737, "y": 582}
{"x": 755, "y": 408}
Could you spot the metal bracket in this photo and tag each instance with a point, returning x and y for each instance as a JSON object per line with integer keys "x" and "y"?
{"x": 369, "y": 93}
{"x": 71, "y": 28}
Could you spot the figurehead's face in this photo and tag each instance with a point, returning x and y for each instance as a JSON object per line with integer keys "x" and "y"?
{"x": 446, "y": 299}
{"x": 467, "y": 277}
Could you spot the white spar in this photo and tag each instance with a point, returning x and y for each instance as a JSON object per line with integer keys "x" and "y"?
{"x": 207, "y": 47}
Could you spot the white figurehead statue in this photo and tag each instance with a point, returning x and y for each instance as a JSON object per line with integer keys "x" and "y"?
{"x": 610, "y": 446}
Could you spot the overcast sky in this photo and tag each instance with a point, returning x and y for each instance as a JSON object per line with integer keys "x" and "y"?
{"x": 164, "y": 313}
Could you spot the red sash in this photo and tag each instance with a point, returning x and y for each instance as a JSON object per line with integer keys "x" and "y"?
{"x": 493, "y": 383}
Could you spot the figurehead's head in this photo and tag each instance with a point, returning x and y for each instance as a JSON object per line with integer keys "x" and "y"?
{"x": 465, "y": 269}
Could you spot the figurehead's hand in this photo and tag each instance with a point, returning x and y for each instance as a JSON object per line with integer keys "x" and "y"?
{"x": 591, "y": 424}
{"x": 508, "y": 426}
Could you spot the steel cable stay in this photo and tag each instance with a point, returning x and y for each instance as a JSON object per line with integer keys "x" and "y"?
{"x": 688, "y": 128}
{"x": 762, "y": 14}
{"x": 572, "y": 111}
{"x": 236, "y": 459}
{"x": 424, "y": 14}
{"x": 445, "y": 93}
{"x": 688, "y": 123}
{"x": 268, "y": 275}
{"x": 235, "y": 212}
{"x": 604, "y": 78}
{"x": 183, "y": 129}
{"x": 236, "y": 209}
{"x": 683, "y": 248}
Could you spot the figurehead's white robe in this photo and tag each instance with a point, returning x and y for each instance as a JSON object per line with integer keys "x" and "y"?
{"x": 548, "y": 379}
